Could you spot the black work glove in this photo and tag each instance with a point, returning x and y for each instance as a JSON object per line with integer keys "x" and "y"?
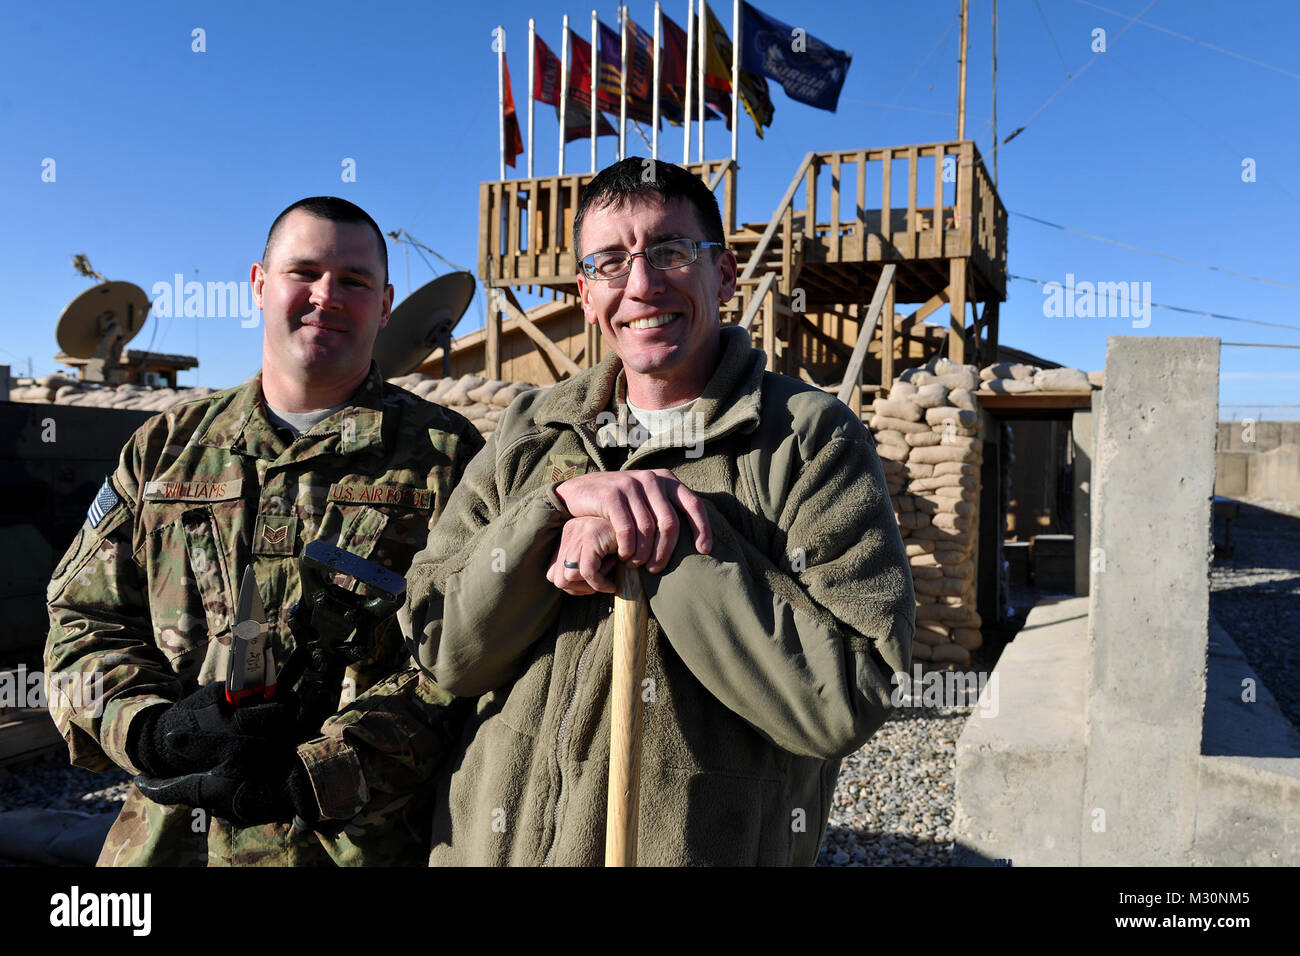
{"x": 240, "y": 763}
{"x": 202, "y": 731}
{"x": 274, "y": 789}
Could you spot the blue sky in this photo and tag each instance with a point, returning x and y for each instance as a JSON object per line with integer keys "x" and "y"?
{"x": 168, "y": 160}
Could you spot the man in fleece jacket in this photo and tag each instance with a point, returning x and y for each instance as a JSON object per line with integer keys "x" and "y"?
{"x": 755, "y": 508}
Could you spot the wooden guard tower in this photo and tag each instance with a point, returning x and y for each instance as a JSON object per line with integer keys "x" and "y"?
{"x": 857, "y": 234}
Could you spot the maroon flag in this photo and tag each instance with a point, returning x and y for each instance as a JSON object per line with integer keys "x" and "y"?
{"x": 640, "y": 74}
{"x": 514, "y": 141}
{"x": 672, "y": 77}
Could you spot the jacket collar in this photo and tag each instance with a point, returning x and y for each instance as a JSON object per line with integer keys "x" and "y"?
{"x": 243, "y": 426}
{"x": 730, "y": 400}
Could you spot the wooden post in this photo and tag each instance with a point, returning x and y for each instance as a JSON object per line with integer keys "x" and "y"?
{"x": 887, "y": 340}
{"x": 631, "y": 619}
{"x": 957, "y": 310}
{"x": 835, "y": 250}
{"x": 991, "y": 329}
{"x": 492, "y": 342}
{"x": 961, "y": 80}
{"x": 769, "y": 328}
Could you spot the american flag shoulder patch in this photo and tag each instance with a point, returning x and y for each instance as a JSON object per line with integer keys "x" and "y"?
{"x": 104, "y": 503}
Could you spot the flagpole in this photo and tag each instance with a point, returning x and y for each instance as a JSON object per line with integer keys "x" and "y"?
{"x": 622, "y": 83}
{"x": 995, "y": 93}
{"x": 501, "y": 94}
{"x": 735, "y": 75}
{"x": 690, "y": 86}
{"x": 564, "y": 88}
{"x": 532, "y": 33}
{"x": 961, "y": 81}
{"x": 654, "y": 98}
{"x": 595, "y": 73}
{"x": 699, "y": 148}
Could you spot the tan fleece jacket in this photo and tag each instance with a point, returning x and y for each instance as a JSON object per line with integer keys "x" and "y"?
{"x": 769, "y": 659}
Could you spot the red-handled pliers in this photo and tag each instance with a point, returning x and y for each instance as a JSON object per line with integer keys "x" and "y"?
{"x": 250, "y": 675}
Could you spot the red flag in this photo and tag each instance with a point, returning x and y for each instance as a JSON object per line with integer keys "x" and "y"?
{"x": 546, "y": 82}
{"x": 514, "y": 140}
{"x": 577, "y": 116}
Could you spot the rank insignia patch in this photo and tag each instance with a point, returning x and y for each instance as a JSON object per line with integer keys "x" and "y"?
{"x": 564, "y": 467}
{"x": 104, "y": 502}
{"x": 275, "y": 535}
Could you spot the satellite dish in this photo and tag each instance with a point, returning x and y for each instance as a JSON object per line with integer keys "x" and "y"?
{"x": 423, "y": 322}
{"x": 97, "y": 323}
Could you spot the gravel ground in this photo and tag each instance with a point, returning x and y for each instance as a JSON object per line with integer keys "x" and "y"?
{"x": 893, "y": 801}
{"x": 1255, "y": 595}
{"x": 53, "y": 784}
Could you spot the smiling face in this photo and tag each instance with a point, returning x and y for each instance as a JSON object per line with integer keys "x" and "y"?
{"x": 663, "y": 324}
{"x": 324, "y": 296}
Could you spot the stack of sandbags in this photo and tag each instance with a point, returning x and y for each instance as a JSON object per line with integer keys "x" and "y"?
{"x": 479, "y": 399}
{"x": 1012, "y": 378}
{"x": 927, "y": 434}
{"x": 56, "y": 389}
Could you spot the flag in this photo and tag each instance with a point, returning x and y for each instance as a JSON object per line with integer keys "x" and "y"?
{"x": 717, "y": 66}
{"x": 611, "y": 70}
{"x": 640, "y": 74}
{"x": 672, "y": 76}
{"x": 546, "y": 79}
{"x": 577, "y": 115}
{"x": 808, "y": 70}
{"x": 672, "y": 73}
{"x": 754, "y": 94}
{"x": 514, "y": 141}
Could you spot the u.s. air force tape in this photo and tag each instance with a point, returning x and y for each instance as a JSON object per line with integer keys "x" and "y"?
{"x": 104, "y": 502}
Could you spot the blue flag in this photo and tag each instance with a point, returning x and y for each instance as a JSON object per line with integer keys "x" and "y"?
{"x": 807, "y": 69}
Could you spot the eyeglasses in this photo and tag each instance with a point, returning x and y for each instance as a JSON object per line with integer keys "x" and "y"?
{"x": 673, "y": 254}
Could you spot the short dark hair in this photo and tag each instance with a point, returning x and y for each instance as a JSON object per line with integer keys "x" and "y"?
{"x": 333, "y": 209}
{"x": 615, "y": 186}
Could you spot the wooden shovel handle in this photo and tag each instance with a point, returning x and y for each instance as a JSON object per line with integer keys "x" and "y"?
{"x": 631, "y": 613}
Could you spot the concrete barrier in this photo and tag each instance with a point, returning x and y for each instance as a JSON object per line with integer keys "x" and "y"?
{"x": 1276, "y": 474}
{"x": 1135, "y": 733}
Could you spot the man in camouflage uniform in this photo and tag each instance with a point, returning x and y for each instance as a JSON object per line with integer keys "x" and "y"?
{"x": 145, "y": 597}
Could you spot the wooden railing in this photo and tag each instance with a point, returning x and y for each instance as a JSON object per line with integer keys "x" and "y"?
{"x": 526, "y": 225}
{"x": 970, "y": 224}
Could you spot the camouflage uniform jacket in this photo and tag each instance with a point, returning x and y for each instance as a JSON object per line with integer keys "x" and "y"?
{"x": 145, "y": 597}
{"x": 769, "y": 659}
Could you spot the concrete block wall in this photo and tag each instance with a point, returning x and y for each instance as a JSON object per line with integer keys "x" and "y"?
{"x": 1266, "y": 467}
